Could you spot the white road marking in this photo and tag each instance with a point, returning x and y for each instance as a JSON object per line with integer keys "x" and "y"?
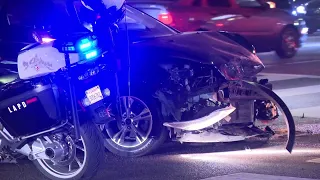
{"x": 281, "y": 77}
{"x": 312, "y": 112}
{"x": 250, "y": 176}
{"x": 298, "y": 91}
{"x": 311, "y": 44}
{"x": 292, "y": 63}
{"x": 272, "y": 77}
{"x": 317, "y": 160}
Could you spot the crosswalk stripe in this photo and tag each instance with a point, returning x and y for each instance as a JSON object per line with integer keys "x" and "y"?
{"x": 308, "y": 107}
{"x": 311, "y": 112}
{"x": 281, "y": 77}
{"x": 250, "y": 176}
{"x": 274, "y": 77}
{"x": 317, "y": 160}
{"x": 298, "y": 91}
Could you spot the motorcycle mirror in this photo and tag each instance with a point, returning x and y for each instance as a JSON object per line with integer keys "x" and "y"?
{"x": 42, "y": 36}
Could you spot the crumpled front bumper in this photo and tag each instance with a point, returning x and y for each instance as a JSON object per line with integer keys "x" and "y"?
{"x": 269, "y": 94}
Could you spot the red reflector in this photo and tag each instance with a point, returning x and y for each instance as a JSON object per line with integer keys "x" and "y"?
{"x": 32, "y": 100}
{"x": 166, "y": 18}
{"x": 219, "y": 25}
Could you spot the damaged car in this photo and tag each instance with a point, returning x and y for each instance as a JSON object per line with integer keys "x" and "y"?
{"x": 187, "y": 87}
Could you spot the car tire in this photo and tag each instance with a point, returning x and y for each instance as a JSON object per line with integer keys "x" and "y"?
{"x": 288, "y": 43}
{"x": 158, "y": 136}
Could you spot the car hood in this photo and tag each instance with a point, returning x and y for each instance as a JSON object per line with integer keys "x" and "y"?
{"x": 202, "y": 47}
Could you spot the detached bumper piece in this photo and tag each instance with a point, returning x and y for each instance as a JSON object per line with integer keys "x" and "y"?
{"x": 202, "y": 122}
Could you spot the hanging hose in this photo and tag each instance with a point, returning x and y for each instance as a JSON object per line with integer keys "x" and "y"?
{"x": 128, "y": 51}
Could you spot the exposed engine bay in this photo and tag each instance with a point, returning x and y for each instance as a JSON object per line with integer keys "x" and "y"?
{"x": 190, "y": 94}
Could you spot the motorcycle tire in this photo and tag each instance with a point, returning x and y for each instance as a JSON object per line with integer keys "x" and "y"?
{"x": 158, "y": 136}
{"x": 93, "y": 160}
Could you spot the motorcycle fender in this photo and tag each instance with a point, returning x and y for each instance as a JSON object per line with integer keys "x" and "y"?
{"x": 266, "y": 92}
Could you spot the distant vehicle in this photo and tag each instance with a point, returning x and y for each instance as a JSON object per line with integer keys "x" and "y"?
{"x": 310, "y": 11}
{"x": 304, "y": 9}
{"x": 268, "y": 29}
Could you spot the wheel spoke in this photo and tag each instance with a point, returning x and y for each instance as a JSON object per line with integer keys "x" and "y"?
{"x": 124, "y": 102}
{"x": 130, "y": 102}
{"x": 138, "y": 139}
{"x": 127, "y": 102}
{"x": 79, "y": 147}
{"x": 144, "y": 115}
{"x": 140, "y": 136}
{"x": 121, "y": 139}
{"x": 78, "y": 162}
{"x": 70, "y": 168}
{"x": 119, "y": 135}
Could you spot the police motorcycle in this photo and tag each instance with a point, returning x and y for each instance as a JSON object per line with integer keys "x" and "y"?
{"x": 42, "y": 113}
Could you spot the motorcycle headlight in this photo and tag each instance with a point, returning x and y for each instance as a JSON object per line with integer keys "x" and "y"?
{"x": 241, "y": 68}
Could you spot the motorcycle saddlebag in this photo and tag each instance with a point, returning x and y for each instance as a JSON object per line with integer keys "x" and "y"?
{"x": 27, "y": 109}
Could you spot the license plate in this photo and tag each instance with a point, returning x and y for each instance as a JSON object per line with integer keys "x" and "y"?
{"x": 243, "y": 93}
{"x": 94, "y": 94}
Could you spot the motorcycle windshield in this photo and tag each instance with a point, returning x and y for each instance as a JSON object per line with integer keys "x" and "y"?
{"x": 50, "y": 15}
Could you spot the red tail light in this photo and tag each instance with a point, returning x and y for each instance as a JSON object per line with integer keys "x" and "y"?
{"x": 166, "y": 18}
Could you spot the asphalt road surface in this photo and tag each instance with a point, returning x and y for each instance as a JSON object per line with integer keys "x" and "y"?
{"x": 306, "y": 62}
{"x": 297, "y": 80}
{"x": 194, "y": 162}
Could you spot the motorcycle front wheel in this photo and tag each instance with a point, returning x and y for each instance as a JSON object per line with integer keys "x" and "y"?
{"x": 79, "y": 159}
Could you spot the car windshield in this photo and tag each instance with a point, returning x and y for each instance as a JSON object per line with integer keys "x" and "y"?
{"x": 143, "y": 25}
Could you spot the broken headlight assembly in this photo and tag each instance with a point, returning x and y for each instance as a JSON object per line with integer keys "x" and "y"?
{"x": 242, "y": 68}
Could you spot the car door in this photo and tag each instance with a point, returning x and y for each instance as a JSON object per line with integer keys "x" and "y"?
{"x": 188, "y": 15}
{"x": 219, "y": 13}
{"x": 255, "y": 17}
{"x": 255, "y": 21}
